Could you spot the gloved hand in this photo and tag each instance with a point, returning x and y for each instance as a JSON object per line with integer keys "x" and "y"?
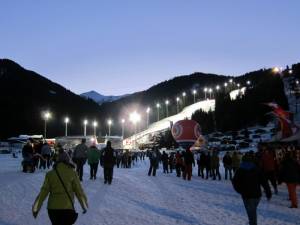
{"x": 34, "y": 214}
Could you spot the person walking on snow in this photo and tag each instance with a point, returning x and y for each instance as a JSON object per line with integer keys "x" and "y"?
{"x": 80, "y": 156}
{"x": 189, "y": 162}
{"x": 165, "y": 161}
{"x": 108, "y": 160}
{"x": 93, "y": 156}
{"x": 247, "y": 181}
{"x": 61, "y": 184}
{"x": 290, "y": 174}
{"x": 227, "y": 162}
{"x": 154, "y": 160}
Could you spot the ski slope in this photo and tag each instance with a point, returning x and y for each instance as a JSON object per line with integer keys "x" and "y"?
{"x": 136, "y": 199}
{"x": 165, "y": 123}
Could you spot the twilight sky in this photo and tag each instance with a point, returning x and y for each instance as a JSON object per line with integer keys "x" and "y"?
{"x": 117, "y": 47}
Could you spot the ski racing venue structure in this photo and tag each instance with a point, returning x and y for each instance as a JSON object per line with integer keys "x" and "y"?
{"x": 163, "y": 125}
{"x": 166, "y": 123}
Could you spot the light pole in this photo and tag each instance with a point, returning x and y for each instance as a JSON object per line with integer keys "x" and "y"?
{"x": 109, "y": 123}
{"x": 46, "y": 116}
{"x": 148, "y": 111}
{"x": 210, "y": 91}
{"x": 183, "y": 97}
{"x": 95, "y": 124}
{"x": 123, "y": 124}
{"x": 177, "y": 104}
{"x": 157, "y": 106}
{"x": 135, "y": 118}
{"x": 85, "y": 122}
{"x": 194, "y": 93}
{"x": 167, "y": 108}
{"x": 67, "y": 120}
{"x": 205, "y": 90}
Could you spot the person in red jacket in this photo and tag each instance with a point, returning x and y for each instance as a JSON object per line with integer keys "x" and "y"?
{"x": 268, "y": 166}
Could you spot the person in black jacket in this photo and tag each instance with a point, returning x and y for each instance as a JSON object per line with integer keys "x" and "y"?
{"x": 227, "y": 162}
{"x": 202, "y": 163}
{"x": 165, "y": 161}
{"x": 290, "y": 174}
{"x": 108, "y": 160}
{"x": 189, "y": 161}
{"x": 247, "y": 181}
{"x": 208, "y": 165}
{"x": 154, "y": 160}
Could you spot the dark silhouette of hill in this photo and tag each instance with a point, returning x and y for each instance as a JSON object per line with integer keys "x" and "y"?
{"x": 24, "y": 95}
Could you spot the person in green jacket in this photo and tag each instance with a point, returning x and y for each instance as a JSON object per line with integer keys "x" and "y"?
{"x": 93, "y": 156}
{"x": 60, "y": 207}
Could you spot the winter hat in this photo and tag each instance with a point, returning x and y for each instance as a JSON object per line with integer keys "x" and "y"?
{"x": 248, "y": 157}
{"x": 63, "y": 157}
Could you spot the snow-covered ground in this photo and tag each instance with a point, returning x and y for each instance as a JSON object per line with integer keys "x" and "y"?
{"x": 135, "y": 198}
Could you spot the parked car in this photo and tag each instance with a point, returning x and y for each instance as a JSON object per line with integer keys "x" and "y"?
{"x": 260, "y": 131}
{"x": 244, "y": 145}
{"x": 256, "y": 136}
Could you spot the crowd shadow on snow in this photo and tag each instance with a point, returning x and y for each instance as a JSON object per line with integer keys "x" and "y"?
{"x": 262, "y": 212}
{"x": 206, "y": 187}
{"x": 166, "y": 212}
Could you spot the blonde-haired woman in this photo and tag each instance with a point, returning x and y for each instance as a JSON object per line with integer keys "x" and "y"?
{"x": 61, "y": 183}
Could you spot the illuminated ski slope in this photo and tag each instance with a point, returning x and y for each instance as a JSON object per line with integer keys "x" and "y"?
{"x": 165, "y": 123}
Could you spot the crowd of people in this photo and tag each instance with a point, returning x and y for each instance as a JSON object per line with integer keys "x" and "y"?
{"x": 268, "y": 167}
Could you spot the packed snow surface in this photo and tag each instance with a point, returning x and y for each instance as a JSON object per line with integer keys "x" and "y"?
{"x": 135, "y": 198}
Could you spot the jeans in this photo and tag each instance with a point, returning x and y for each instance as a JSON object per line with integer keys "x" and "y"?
{"x": 108, "y": 174}
{"x": 228, "y": 170}
{"x": 93, "y": 170}
{"x": 251, "y": 208}
{"x": 79, "y": 164}
{"x": 152, "y": 170}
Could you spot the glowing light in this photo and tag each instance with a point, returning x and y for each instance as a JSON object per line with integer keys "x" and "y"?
{"x": 67, "y": 120}
{"x": 148, "y": 110}
{"x": 95, "y": 123}
{"x": 276, "y": 70}
{"x": 167, "y": 102}
{"x": 217, "y": 87}
{"x": 47, "y": 115}
{"x": 85, "y": 122}
{"x": 109, "y": 122}
{"x": 134, "y": 117}
{"x": 157, "y": 105}
{"x": 183, "y": 94}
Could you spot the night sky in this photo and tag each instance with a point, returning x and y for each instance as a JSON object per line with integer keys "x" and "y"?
{"x": 119, "y": 47}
